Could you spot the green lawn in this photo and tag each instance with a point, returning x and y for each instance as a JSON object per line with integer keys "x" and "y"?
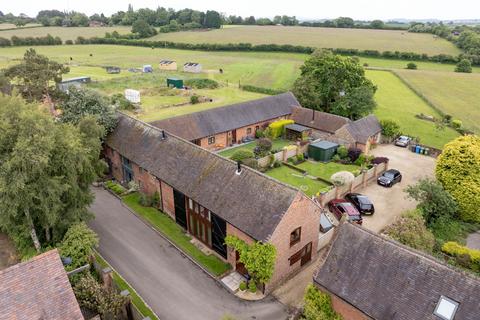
{"x": 457, "y": 94}
{"x": 397, "y": 102}
{"x": 277, "y": 144}
{"x": 325, "y": 170}
{"x": 294, "y": 178}
{"x": 123, "y": 285}
{"x": 363, "y": 39}
{"x": 65, "y": 33}
{"x": 402, "y": 64}
{"x": 175, "y": 233}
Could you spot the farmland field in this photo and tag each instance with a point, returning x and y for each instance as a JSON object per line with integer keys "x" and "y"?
{"x": 457, "y": 94}
{"x": 364, "y": 39}
{"x": 65, "y": 33}
{"x": 397, "y": 102}
{"x": 11, "y": 25}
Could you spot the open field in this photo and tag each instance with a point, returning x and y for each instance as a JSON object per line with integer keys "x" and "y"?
{"x": 364, "y": 39}
{"x": 11, "y": 25}
{"x": 65, "y": 33}
{"x": 457, "y": 94}
{"x": 397, "y": 102}
{"x": 402, "y": 64}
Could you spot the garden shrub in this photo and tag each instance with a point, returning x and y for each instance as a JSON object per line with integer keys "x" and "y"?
{"x": 336, "y": 158}
{"x": 277, "y": 128}
{"x": 412, "y": 66}
{"x": 78, "y": 243}
{"x": 318, "y": 305}
{"x": 156, "y": 199}
{"x": 264, "y": 145}
{"x": 342, "y": 152}
{"x": 469, "y": 258}
{"x": 342, "y": 178}
{"x": 202, "y": 83}
{"x": 242, "y": 154}
{"x": 300, "y": 157}
{"x": 277, "y": 164}
{"x": 115, "y": 187}
{"x": 354, "y": 153}
{"x": 243, "y": 286}
{"x": 252, "y": 287}
{"x": 268, "y": 91}
{"x": 456, "y": 124}
{"x": 194, "y": 99}
{"x": 121, "y": 103}
{"x": 390, "y": 128}
{"x": 464, "y": 66}
{"x": 145, "y": 200}
{"x": 260, "y": 133}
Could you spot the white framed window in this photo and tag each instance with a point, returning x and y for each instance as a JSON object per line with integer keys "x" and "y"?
{"x": 211, "y": 140}
{"x": 446, "y": 308}
{"x": 190, "y": 204}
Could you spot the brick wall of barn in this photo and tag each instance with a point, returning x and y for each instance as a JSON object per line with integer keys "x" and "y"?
{"x": 303, "y": 213}
{"x": 232, "y": 231}
{"x": 167, "y": 199}
{"x": 346, "y": 310}
{"x": 221, "y": 141}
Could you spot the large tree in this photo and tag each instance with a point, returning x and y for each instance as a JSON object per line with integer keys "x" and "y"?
{"x": 46, "y": 169}
{"x": 36, "y": 75}
{"x": 458, "y": 170}
{"x": 335, "y": 84}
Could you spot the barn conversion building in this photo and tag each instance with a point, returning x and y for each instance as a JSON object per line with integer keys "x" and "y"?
{"x": 213, "y": 197}
{"x": 371, "y": 277}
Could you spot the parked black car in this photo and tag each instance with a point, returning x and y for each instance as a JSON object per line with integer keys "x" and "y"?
{"x": 389, "y": 178}
{"x": 361, "y": 202}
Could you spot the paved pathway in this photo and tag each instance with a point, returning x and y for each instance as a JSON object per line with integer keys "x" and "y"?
{"x": 170, "y": 283}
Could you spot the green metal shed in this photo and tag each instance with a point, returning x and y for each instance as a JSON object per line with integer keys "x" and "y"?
{"x": 175, "y": 82}
{"x": 322, "y": 150}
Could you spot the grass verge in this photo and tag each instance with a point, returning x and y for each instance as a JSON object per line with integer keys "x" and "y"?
{"x": 175, "y": 233}
{"x": 123, "y": 285}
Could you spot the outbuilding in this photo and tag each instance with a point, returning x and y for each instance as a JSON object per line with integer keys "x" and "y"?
{"x": 168, "y": 65}
{"x": 322, "y": 150}
{"x": 192, "y": 67}
{"x": 147, "y": 68}
{"x": 112, "y": 70}
{"x": 132, "y": 95}
{"x": 175, "y": 83}
{"x": 76, "y": 82}
{"x": 297, "y": 132}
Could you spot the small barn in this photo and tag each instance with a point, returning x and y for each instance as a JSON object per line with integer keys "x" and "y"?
{"x": 168, "y": 65}
{"x": 297, "y": 132}
{"x": 192, "y": 67}
{"x": 76, "y": 82}
{"x": 132, "y": 95}
{"x": 322, "y": 150}
{"x": 175, "y": 83}
{"x": 112, "y": 70}
{"x": 147, "y": 68}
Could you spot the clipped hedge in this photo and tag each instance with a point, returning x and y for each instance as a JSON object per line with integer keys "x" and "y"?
{"x": 268, "y": 91}
{"x": 277, "y": 128}
{"x": 199, "y": 83}
{"x": 467, "y": 257}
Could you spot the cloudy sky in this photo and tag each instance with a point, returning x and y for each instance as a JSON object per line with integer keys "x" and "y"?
{"x": 304, "y": 9}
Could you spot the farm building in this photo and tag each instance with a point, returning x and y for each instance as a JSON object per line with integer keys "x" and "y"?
{"x": 132, "y": 95}
{"x": 324, "y": 124}
{"x": 168, "y": 65}
{"x": 219, "y": 128}
{"x": 76, "y": 82}
{"x": 38, "y": 289}
{"x": 297, "y": 132}
{"x": 213, "y": 197}
{"x": 112, "y": 70}
{"x": 399, "y": 282}
{"x": 192, "y": 67}
{"x": 322, "y": 150}
{"x": 361, "y": 133}
{"x": 147, "y": 68}
{"x": 175, "y": 83}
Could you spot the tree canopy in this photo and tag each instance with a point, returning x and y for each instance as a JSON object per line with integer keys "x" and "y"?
{"x": 46, "y": 169}
{"x": 458, "y": 170}
{"x": 335, "y": 84}
{"x": 78, "y": 244}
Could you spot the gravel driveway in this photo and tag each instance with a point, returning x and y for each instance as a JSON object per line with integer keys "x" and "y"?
{"x": 391, "y": 202}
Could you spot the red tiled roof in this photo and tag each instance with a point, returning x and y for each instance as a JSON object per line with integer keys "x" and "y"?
{"x": 38, "y": 289}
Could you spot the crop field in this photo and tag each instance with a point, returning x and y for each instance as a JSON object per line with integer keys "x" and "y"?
{"x": 65, "y": 33}
{"x": 402, "y": 64}
{"x": 397, "y": 102}
{"x": 457, "y": 94}
{"x": 11, "y": 25}
{"x": 364, "y": 39}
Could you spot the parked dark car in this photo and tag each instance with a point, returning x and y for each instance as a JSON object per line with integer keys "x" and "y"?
{"x": 389, "y": 178}
{"x": 403, "y": 141}
{"x": 341, "y": 207}
{"x": 361, "y": 202}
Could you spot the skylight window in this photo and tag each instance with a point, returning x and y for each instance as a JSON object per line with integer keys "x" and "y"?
{"x": 446, "y": 308}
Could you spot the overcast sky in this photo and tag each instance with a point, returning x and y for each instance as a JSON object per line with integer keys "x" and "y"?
{"x": 303, "y": 9}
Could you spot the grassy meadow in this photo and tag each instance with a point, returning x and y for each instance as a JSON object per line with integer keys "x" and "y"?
{"x": 65, "y": 33}
{"x": 4, "y": 26}
{"x": 397, "y": 102}
{"x": 457, "y": 94}
{"x": 364, "y": 39}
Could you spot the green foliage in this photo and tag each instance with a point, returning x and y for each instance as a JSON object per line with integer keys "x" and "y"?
{"x": 263, "y": 148}
{"x": 258, "y": 258}
{"x": 242, "y": 154}
{"x": 277, "y": 128}
{"x": 83, "y": 102}
{"x": 202, "y": 83}
{"x": 143, "y": 29}
{"x": 410, "y": 230}
{"x": 78, "y": 244}
{"x": 342, "y": 152}
{"x": 335, "y": 84}
{"x": 243, "y": 286}
{"x": 300, "y": 157}
{"x": 390, "y": 128}
{"x": 318, "y": 305}
{"x": 457, "y": 124}
{"x": 458, "y": 170}
{"x": 121, "y": 103}
{"x": 433, "y": 200}
{"x": 94, "y": 296}
{"x": 336, "y": 158}
{"x": 194, "y": 99}
{"x": 464, "y": 66}
{"x": 268, "y": 91}
{"x": 412, "y": 66}
{"x": 145, "y": 200}
{"x": 36, "y": 75}
{"x": 260, "y": 133}
{"x": 469, "y": 258}
{"x": 252, "y": 287}
{"x": 115, "y": 187}
{"x": 46, "y": 169}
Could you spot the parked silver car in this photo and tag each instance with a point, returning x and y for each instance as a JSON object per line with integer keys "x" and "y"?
{"x": 403, "y": 141}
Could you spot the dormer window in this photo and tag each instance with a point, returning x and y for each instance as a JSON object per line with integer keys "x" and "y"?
{"x": 446, "y": 308}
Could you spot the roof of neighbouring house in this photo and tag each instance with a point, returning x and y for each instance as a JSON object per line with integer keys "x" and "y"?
{"x": 318, "y": 120}
{"x": 250, "y": 201}
{"x": 325, "y": 145}
{"x": 38, "y": 289}
{"x": 364, "y": 128}
{"x": 207, "y": 123}
{"x": 297, "y": 128}
{"x": 386, "y": 280}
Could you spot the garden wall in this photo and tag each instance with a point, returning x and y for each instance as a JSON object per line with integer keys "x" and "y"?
{"x": 358, "y": 183}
